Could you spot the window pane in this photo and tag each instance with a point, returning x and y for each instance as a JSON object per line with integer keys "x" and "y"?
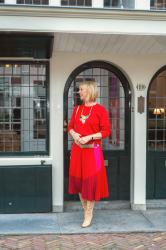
{"x": 76, "y": 3}
{"x": 37, "y": 2}
{"x": 64, "y": 2}
{"x": 80, "y": 2}
{"x": 88, "y": 2}
{"x": 157, "y": 113}
{"x": 23, "y": 109}
{"x": 107, "y": 3}
{"x": 129, "y": 4}
{"x": 111, "y": 95}
{"x": 45, "y": 2}
{"x": 28, "y": 1}
{"x": 158, "y": 4}
{"x": 72, "y": 2}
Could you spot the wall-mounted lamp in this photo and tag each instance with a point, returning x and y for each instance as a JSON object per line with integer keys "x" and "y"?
{"x": 158, "y": 111}
{"x": 162, "y": 110}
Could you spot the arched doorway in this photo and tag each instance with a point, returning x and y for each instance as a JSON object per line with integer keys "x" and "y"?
{"x": 115, "y": 95}
{"x": 156, "y": 136}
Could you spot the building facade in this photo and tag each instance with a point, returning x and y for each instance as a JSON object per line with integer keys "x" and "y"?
{"x": 47, "y": 48}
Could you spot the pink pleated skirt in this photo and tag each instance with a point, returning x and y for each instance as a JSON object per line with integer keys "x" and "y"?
{"x": 87, "y": 173}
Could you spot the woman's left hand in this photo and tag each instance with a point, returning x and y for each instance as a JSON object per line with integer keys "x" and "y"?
{"x": 84, "y": 139}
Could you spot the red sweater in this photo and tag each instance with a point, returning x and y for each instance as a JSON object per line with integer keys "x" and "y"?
{"x": 97, "y": 121}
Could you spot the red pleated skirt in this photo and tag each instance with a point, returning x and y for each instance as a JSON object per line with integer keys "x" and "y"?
{"x": 87, "y": 173}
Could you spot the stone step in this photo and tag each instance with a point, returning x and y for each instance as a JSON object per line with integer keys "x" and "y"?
{"x": 76, "y": 205}
{"x": 154, "y": 204}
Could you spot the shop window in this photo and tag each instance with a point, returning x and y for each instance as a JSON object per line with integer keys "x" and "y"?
{"x": 86, "y": 3}
{"x": 157, "y": 113}
{"x": 158, "y": 4}
{"x": 23, "y": 108}
{"x": 35, "y": 2}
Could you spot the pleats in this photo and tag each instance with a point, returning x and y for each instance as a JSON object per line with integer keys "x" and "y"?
{"x": 87, "y": 173}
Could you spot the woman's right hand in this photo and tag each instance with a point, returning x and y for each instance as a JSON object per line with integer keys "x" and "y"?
{"x": 75, "y": 135}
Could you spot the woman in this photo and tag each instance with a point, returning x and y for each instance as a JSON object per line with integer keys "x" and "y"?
{"x": 88, "y": 125}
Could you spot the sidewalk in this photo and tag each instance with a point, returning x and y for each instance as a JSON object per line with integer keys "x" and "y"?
{"x": 105, "y": 221}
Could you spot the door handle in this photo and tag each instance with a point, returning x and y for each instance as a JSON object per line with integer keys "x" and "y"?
{"x": 65, "y": 125}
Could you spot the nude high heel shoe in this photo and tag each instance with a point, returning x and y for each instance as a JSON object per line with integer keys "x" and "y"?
{"x": 88, "y": 214}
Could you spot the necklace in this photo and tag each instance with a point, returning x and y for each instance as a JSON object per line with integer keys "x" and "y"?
{"x": 83, "y": 118}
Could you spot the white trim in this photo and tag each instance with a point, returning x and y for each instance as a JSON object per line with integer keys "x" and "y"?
{"x": 81, "y": 25}
{"x": 12, "y": 161}
{"x": 10, "y": 1}
{"x": 141, "y": 207}
{"x": 97, "y": 3}
{"x": 139, "y": 173}
{"x": 54, "y": 2}
{"x": 57, "y": 209}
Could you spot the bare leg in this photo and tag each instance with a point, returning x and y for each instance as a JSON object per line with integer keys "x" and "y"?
{"x": 83, "y": 202}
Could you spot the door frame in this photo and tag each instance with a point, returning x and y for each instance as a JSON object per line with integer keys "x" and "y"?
{"x": 127, "y": 90}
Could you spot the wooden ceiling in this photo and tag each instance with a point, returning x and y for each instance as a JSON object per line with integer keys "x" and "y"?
{"x": 114, "y": 43}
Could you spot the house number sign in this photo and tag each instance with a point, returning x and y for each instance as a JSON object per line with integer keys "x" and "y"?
{"x": 141, "y": 87}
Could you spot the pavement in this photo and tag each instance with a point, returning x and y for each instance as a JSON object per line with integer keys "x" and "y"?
{"x": 105, "y": 221}
{"x": 115, "y": 229}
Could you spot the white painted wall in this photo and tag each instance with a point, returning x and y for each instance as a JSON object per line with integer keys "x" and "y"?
{"x": 57, "y": 80}
{"x": 122, "y": 25}
{"x": 10, "y": 1}
{"x": 55, "y": 2}
{"x": 97, "y": 3}
{"x": 142, "y": 4}
{"x": 141, "y": 71}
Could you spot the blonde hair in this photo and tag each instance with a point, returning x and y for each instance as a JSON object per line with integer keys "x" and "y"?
{"x": 92, "y": 90}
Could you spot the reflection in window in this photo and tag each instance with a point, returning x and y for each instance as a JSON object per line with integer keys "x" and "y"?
{"x": 158, "y": 4}
{"x": 157, "y": 114}
{"x": 119, "y": 3}
{"x": 111, "y": 95}
{"x": 86, "y": 3}
{"x": 23, "y": 109}
{"x": 39, "y": 118}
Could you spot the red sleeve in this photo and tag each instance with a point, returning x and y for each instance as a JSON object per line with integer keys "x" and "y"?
{"x": 105, "y": 124}
{"x": 72, "y": 120}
